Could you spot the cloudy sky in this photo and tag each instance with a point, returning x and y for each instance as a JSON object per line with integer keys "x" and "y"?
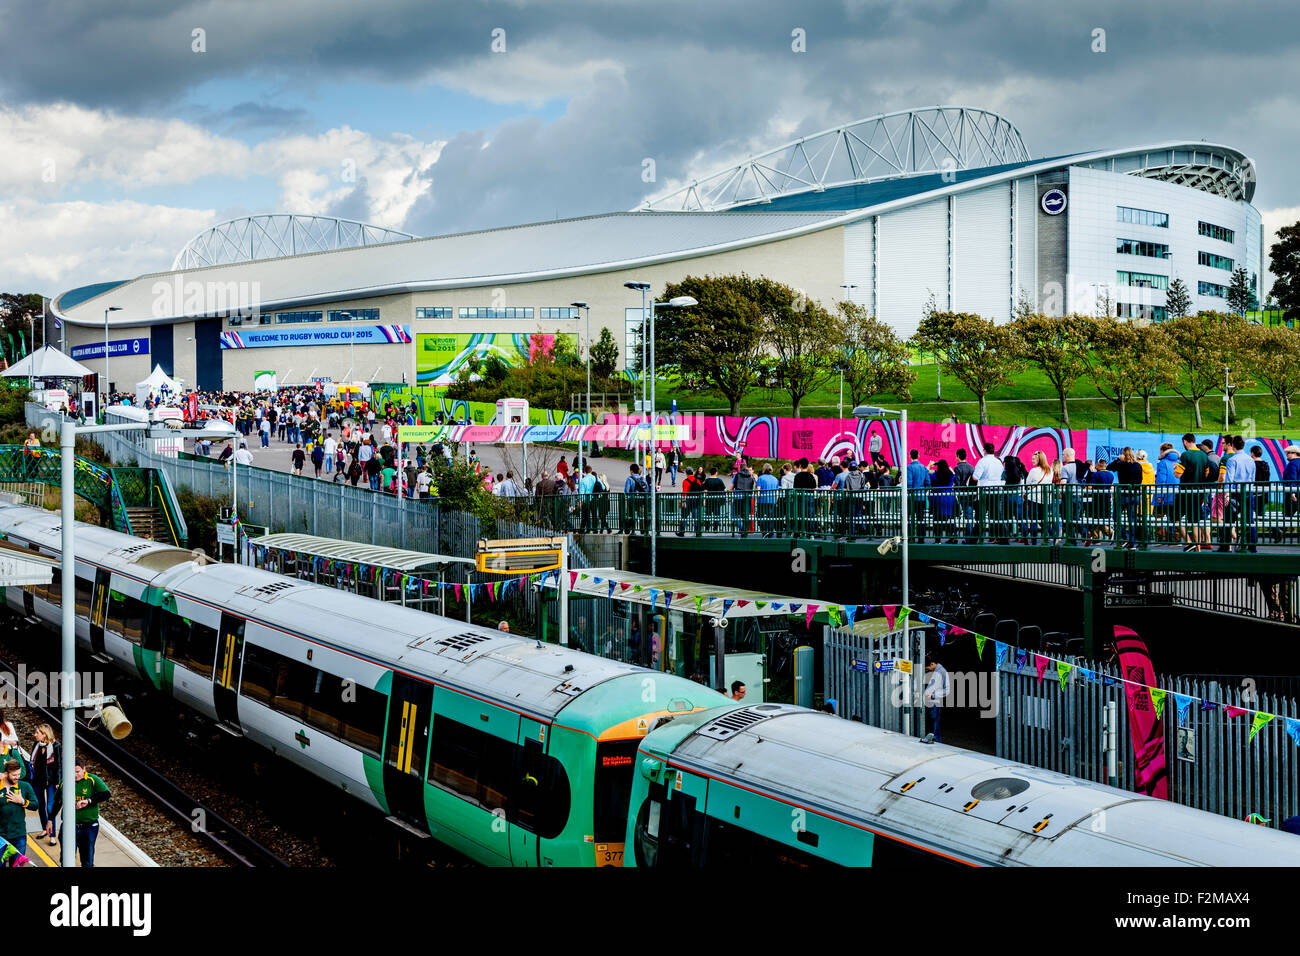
{"x": 125, "y": 132}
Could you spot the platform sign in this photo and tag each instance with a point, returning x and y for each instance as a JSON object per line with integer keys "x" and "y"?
{"x": 519, "y": 555}
{"x": 894, "y": 664}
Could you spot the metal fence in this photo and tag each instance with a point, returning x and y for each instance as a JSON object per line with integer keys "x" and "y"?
{"x": 1143, "y": 516}
{"x": 1212, "y": 764}
{"x": 284, "y": 502}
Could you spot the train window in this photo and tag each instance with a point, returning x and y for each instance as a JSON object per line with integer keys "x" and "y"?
{"x": 324, "y": 703}
{"x": 728, "y": 845}
{"x": 293, "y": 685}
{"x": 470, "y": 763}
{"x": 258, "y": 674}
{"x": 894, "y": 853}
{"x": 615, "y": 766}
{"x": 84, "y": 586}
{"x": 188, "y": 643}
{"x": 363, "y": 717}
{"x": 126, "y": 616}
{"x": 50, "y": 592}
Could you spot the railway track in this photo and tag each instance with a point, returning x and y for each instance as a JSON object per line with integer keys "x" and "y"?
{"x": 194, "y": 814}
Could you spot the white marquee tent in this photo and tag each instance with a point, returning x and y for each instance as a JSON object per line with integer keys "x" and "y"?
{"x": 158, "y": 383}
{"x": 47, "y": 362}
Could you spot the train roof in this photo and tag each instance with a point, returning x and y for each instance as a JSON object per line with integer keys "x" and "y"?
{"x": 103, "y": 546}
{"x": 984, "y": 807}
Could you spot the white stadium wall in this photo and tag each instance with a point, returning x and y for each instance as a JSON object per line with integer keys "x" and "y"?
{"x": 912, "y": 263}
{"x": 981, "y": 281}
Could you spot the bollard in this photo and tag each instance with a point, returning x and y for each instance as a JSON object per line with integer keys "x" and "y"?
{"x": 804, "y": 677}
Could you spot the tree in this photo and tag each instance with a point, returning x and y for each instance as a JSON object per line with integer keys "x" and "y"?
{"x": 1114, "y": 362}
{"x": 874, "y": 360}
{"x": 604, "y": 355}
{"x": 1058, "y": 347}
{"x": 1273, "y": 357}
{"x": 17, "y": 330}
{"x": 719, "y": 342}
{"x": 1239, "y": 294}
{"x": 976, "y": 351}
{"x": 802, "y": 335}
{"x": 1156, "y": 370}
{"x": 1284, "y": 264}
{"x": 1178, "y": 301}
{"x": 1200, "y": 354}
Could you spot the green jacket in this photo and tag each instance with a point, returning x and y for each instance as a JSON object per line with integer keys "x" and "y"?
{"x": 13, "y": 817}
{"x": 89, "y": 788}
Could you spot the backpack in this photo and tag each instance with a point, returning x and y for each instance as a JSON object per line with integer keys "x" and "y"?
{"x": 639, "y": 485}
{"x": 1015, "y": 469}
{"x": 854, "y": 481}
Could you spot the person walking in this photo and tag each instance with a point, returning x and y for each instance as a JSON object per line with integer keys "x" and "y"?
{"x": 317, "y": 457}
{"x": 47, "y": 771}
{"x": 661, "y": 463}
{"x": 16, "y": 798}
{"x": 1195, "y": 472}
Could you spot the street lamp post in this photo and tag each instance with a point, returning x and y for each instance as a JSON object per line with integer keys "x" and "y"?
{"x": 111, "y": 308}
{"x": 677, "y": 302}
{"x": 870, "y": 411}
{"x": 850, "y": 287}
{"x": 582, "y": 445}
{"x": 643, "y": 288}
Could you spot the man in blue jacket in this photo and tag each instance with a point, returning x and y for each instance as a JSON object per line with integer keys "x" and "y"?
{"x": 1291, "y": 479}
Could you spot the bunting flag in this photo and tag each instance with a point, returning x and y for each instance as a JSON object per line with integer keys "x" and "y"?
{"x": 1233, "y": 712}
{"x": 668, "y": 600}
{"x": 654, "y": 598}
{"x": 637, "y": 588}
{"x": 923, "y": 618}
{"x": 1184, "y": 705}
{"x": 891, "y": 611}
{"x": 1089, "y": 676}
{"x": 1208, "y": 705}
{"x": 584, "y": 576}
{"x": 1040, "y": 665}
{"x": 979, "y": 645}
{"x": 698, "y": 599}
{"x": 1001, "y": 650}
{"x": 833, "y": 612}
{"x": 777, "y": 605}
{"x": 742, "y": 604}
{"x": 760, "y": 605}
{"x": 1261, "y": 719}
{"x": 850, "y": 612}
{"x": 956, "y": 631}
{"x": 573, "y": 579}
{"x": 942, "y": 628}
{"x": 1063, "y": 672}
{"x": 597, "y": 580}
{"x": 1293, "y": 729}
{"x": 726, "y": 606}
{"x": 811, "y": 610}
{"x": 1021, "y": 661}
{"x": 794, "y": 608}
{"x": 903, "y": 613}
{"x": 611, "y": 588}
{"x": 623, "y": 586}
{"x": 1157, "y": 700}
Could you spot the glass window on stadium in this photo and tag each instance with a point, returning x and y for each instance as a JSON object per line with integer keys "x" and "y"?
{"x": 511, "y": 312}
{"x": 1212, "y": 288}
{"x": 564, "y": 313}
{"x": 1134, "y": 310}
{"x": 1214, "y": 261}
{"x": 354, "y": 315}
{"x": 287, "y": 318}
{"x": 1215, "y": 232}
{"x": 1142, "y": 217}
{"x": 632, "y": 319}
{"x": 1140, "y": 247}
{"x": 1142, "y": 280}
{"x": 433, "y": 312}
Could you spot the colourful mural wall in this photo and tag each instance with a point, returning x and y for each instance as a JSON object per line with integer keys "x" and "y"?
{"x": 440, "y": 356}
{"x": 432, "y": 402}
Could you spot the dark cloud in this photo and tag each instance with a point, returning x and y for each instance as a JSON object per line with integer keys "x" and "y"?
{"x": 250, "y": 117}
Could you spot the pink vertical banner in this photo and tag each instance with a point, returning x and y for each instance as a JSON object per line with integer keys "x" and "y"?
{"x": 1146, "y": 729}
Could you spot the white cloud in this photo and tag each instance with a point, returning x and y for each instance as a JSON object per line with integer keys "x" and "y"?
{"x": 543, "y": 71}
{"x": 50, "y": 247}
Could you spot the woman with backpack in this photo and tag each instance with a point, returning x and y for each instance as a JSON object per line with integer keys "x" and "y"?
{"x": 942, "y": 498}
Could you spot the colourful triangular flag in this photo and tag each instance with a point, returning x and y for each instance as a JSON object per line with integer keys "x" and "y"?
{"x": 1040, "y": 665}
{"x": 1062, "y": 672}
{"x": 1234, "y": 712}
{"x": 891, "y": 611}
{"x": 1184, "y": 705}
{"x": 1000, "y": 649}
{"x": 1261, "y": 719}
{"x": 811, "y": 610}
{"x": 1293, "y": 729}
{"x": 850, "y": 612}
{"x": 1157, "y": 700}
{"x": 979, "y": 645}
{"x": 942, "y": 628}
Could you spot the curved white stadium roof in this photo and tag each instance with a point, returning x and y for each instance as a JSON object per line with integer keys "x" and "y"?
{"x": 617, "y": 241}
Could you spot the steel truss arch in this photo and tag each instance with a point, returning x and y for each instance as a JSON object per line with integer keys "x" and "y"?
{"x": 891, "y": 145}
{"x": 272, "y": 235}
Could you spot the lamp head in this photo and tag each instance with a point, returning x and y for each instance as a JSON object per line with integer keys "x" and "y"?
{"x": 637, "y": 286}
{"x": 683, "y": 301}
{"x": 578, "y": 305}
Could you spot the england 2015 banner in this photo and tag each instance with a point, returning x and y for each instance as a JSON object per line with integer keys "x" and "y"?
{"x": 296, "y": 337}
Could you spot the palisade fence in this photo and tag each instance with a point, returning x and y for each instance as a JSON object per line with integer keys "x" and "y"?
{"x": 1211, "y": 762}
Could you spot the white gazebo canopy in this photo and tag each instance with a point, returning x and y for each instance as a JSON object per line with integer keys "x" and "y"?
{"x": 47, "y": 362}
{"x": 154, "y": 385}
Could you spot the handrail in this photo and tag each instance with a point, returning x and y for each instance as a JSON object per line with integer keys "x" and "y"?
{"x": 172, "y": 510}
{"x": 1245, "y": 515}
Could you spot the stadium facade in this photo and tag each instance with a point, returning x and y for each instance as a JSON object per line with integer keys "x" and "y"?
{"x": 887, "y": 212}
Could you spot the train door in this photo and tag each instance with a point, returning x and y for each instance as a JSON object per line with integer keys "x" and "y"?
{"x": 530, "y": 775}
{"x": 225, "y": 682}
{"x": 99, "y": 615}
{"x": 406, "y": 747}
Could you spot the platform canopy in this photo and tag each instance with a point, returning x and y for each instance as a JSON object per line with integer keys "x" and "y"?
{"x": 47, "y": 362}
{"x": 690, "y": 596}
{"x": 397, "y": 559}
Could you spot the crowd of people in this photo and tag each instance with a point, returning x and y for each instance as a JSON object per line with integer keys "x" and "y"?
{"x": 32, "y": 780}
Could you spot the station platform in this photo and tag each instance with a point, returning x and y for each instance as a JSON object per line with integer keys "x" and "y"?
{"x": 112, "y": 848}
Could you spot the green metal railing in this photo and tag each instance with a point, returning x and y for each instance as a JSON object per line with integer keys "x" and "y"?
{"x": 149, "y": 488}
{"x": 1140, "y": 516}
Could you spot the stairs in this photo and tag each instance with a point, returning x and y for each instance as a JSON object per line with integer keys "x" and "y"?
{"x": 149, "y": 523}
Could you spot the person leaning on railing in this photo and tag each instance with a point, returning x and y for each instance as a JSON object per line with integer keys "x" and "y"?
{"x": 1239, "y": 477}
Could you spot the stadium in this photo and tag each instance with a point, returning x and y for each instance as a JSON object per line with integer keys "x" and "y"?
{"x": 887, "y": 212}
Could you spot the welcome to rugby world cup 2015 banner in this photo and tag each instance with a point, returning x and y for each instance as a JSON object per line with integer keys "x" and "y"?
{"x": 257, "y": 338}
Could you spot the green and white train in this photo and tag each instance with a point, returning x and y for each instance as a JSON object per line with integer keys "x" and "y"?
{"x": 527, "y": 754}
